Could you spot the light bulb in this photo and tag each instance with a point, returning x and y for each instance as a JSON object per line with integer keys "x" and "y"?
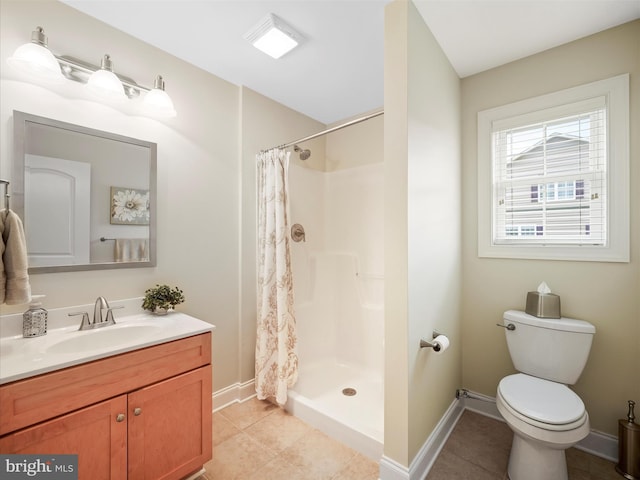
{"x": 275, "y": 43}
{"x": 106, "y": 84}
{"x": 157, "y": 102}
{"x": 273, "y": 36}
{"x": 36, "y": 58}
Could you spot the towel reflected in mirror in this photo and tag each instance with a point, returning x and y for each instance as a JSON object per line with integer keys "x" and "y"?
{"x": 131, "y": 250}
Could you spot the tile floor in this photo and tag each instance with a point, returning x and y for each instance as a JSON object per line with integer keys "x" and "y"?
{"x": 479, "y": 446}
{"x": 257, "y": 440}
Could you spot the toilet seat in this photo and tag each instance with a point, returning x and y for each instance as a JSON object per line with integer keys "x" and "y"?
{"x": 542, "y": 403}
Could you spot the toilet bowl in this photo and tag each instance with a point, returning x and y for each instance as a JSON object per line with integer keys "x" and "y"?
{"x": 546, "y": 418}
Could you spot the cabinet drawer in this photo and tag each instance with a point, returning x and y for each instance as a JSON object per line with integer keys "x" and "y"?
{"x": 26, "y": 402}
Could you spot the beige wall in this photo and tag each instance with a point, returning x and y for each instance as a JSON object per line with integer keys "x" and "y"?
{"x": 605, "y": 294}
{"x": 198, "y": 174}
{"x": 396, "y": 369}
{"x": 206, "y": 184}
{"x": 422, "y": 230}
{"x": 205, "y": 211}
{"x": 206, "y": 172}
{"x": 357, "y": 145}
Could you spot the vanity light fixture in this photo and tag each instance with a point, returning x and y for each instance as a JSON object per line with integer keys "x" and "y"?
{"x": 104, "y": 83}
{"x": 101, "y": 80}
{"x": 273, "y": 36}
{"x": 36, "y": 58}
{"x": 157, "y": 102}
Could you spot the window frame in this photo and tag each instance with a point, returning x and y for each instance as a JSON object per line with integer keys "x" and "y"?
{"x": 615, "y": 91}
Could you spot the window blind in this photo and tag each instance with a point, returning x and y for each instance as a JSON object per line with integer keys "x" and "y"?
{"x": 549, "y": 173}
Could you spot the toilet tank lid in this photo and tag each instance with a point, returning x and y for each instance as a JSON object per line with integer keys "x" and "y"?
{"x": 564, "y": 324}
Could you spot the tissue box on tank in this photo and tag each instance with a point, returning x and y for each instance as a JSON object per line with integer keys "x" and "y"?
{"x": 543, "y": 305}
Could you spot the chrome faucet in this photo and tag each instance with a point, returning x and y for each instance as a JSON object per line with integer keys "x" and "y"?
{"x": 101, "y": 304}
{"x": 98, "y": 321}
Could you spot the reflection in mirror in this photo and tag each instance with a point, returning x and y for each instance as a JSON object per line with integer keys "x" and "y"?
{"x": 87, "y": 198}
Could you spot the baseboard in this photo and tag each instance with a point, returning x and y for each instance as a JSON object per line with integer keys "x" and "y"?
{"x": 482, "y": 404}
{"x": 429, "y": 452}
{"x": 596, "y": 443}
{"x": 600, "y": 444}
{"x": 196, "y": 475}
{"x": 426, "y": 457}
{"x": 236, "y": 393}
{"x": 392, "y": 470}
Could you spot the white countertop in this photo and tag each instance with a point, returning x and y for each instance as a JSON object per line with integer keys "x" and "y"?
{"x": 26, "y": 357}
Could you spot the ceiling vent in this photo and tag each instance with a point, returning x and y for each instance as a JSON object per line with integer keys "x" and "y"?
{"x": 273, "y": 36}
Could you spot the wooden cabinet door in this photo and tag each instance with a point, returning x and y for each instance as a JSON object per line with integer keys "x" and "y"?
{"x": 170, "y": 427}
{"x": 93, "y": 433}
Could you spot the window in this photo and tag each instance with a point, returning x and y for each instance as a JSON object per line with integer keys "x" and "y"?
{"x": 520, "y": 230}
{"x": 553, "y": 175}
{"x": 536, "y": 169}
{"x": 558, "y": 191}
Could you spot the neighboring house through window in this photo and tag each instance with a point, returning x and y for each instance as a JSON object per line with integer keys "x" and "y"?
{"x": 554, "y": 209}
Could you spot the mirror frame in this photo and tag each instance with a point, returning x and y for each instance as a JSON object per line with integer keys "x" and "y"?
{"x": 20, "y": 122}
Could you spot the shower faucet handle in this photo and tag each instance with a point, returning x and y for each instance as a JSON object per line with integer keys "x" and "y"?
{"x": 297, "y": 233}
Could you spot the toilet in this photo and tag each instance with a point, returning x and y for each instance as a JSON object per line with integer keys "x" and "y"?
{"x": 546, "y": 416}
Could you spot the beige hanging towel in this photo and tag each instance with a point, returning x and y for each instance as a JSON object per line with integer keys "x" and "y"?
{"x": 131, "y": 250}
{"x": 14, "y": 277}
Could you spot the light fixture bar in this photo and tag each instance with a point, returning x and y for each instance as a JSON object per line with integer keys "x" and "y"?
{"x": 102, "y": 82}
{"x": 80, "y": 71}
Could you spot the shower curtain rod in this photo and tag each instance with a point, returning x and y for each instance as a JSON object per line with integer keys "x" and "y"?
{"x": 333, "y": 129}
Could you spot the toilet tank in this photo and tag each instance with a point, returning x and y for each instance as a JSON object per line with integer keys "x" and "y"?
{"x": 553, "y": 349}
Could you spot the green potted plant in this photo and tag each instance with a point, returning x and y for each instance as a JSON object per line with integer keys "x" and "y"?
{"x": 162, "y": 298}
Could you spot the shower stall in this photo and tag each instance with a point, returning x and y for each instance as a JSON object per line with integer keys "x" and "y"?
{"x": 338, "y": 274}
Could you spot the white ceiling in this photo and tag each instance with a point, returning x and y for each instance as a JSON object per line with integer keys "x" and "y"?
{"x": 337, "y": 72}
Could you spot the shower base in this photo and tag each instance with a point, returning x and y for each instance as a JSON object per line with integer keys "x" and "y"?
{"x": 355, "y": 419}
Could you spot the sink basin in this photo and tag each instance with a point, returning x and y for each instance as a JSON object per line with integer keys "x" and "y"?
{"x": 104, "y": 337}
{"x": 65, "y": 346}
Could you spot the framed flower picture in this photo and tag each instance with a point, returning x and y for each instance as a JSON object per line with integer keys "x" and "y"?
{"x": 129, "y": 206}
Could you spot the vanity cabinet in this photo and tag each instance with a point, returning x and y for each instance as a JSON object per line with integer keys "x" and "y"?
{"x": 144, "y": 414}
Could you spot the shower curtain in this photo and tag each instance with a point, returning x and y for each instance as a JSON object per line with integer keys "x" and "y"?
{"x": 276, "y": 356}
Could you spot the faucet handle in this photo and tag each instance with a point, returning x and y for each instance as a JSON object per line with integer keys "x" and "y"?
{"x": 110, "y": 320}
{"x": 85, "y": 324}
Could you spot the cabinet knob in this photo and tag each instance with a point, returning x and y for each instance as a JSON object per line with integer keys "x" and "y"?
{"x": 120, "y": 417}
{"x": 137, "y": 411}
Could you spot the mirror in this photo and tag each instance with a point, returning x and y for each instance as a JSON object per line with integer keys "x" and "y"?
{"x": 87, "y": 198}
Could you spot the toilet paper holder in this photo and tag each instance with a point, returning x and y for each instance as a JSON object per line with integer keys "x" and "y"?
{"x": 426, "y": 344}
